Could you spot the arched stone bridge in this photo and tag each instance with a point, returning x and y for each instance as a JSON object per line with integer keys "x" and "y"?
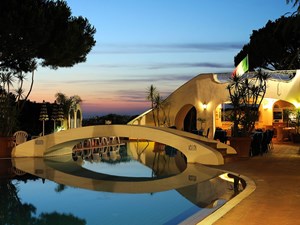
{"x": 62, "y": 143}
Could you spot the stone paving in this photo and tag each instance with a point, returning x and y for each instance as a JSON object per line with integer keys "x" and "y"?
{"x": 276, "y": 199}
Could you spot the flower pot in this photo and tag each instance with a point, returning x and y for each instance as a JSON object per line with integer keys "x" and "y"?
{"x": 242, "y": 146}
{"x": 6, "y": 146}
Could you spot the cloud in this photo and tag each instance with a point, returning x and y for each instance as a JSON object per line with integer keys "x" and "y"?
{"x": 132, "y": 96}
{"x": 138, "y": 95}
{"x": 165, "y": 48}
{"x": 188, "y": 65}
{"x": 130, "y": 80}
{"x": 167, "y": 65}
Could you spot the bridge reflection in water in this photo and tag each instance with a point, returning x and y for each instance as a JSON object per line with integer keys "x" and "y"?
{"x": 200, "y": 184}
{"x": 80, "y": 158}
{"x": 91, "y": 167}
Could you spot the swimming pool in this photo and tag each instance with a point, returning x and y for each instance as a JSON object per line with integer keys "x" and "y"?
{"x": 142, "y": 184}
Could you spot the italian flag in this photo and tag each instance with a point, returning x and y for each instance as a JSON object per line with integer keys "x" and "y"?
{"x": 242, "y": 68}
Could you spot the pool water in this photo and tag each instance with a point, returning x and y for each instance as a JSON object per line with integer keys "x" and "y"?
{"x": 104, "y": 207}
{"x": 141, "y": 187}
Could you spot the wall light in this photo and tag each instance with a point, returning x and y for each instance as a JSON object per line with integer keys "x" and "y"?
{"x": 204, "y": 105}
{"x": 268, "y": 103}
{"x": 266, "y": 106}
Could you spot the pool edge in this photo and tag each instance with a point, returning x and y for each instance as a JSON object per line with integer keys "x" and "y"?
{"x": 216, "y": 215}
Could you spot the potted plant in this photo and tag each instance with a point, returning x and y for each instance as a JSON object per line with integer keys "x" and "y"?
{"x": 246, "y": 94}
{"x": 8, "y": 122}
{"x": 11, "y": 103}
{"x": 202, "y": 121}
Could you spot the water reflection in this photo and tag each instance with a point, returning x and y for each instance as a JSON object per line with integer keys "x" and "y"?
{"x": 14, "y": 211}
{"x": 162, "y": 160}
{"x": 172, "y": 189}
{"x": 169, "y": 170}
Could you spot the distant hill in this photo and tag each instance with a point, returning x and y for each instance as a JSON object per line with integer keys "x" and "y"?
{"x": 110, "y": 118}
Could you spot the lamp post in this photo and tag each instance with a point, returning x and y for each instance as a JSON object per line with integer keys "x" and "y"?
{"x": 43, "y": 115}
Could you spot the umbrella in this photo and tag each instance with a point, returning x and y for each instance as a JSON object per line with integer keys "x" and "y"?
{"x": 43, "y": 115}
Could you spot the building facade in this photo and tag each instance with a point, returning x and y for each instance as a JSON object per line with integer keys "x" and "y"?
{"x": 202, "y": 104}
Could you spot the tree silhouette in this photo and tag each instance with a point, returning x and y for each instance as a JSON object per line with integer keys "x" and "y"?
{"x": 275, "y": 46}
{"x": 41, "y": 32}
{"x": 151, "y": 95}
{"x": 59, "y": 219}
{"x": 14, "y": 212}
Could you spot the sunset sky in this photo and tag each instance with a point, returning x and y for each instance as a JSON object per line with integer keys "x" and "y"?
{"x": 159, "y": 42}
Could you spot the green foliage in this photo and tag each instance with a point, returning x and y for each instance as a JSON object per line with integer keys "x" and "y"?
{"x": 275, "y": 46}
{"x": 296, "y": 119}
{"x": 158, "y": 105}
{"x": 68, "y": 103}
{"x": 29, "y": 118}
{"x": 8, "y": 113}
{"x": 43, "y": 31}
{"x": 59, "y": 219}
{"x": 151, "y": 95}
{"x": 246, "y": 95}
{"x": 36, "y": 32}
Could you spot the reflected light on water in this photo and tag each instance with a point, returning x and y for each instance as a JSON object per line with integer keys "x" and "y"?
{"x": 146, "y": 183}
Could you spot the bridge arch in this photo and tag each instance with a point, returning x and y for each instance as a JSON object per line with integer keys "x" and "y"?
{"x": 62, "y": 143}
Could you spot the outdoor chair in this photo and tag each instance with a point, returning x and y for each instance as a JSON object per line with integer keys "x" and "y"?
{"x": 20, "y": 137}
{"x": 104, "y": 141}
{"x": 96, "y": 157}
{"x": 264, "y": 143}
{"x": 220, "y": 135}
{"x": 256, "y": 143}
{"x": 114, "y": 140}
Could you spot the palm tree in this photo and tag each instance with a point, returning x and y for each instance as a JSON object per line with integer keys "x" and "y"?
{"x": 158, "y": 100}
{"x": 33, "y": 67}
{"x": 7, "y": 79}
{"x": 75, "y": 99}
{"x": 21, "y": 77}
{"x": 67, "y": 103}
{"x": 19, "y": 94}
{"x": 165, "y": 106}
{"x": 20, "y": 91}
{"x": 151, "y": 94}
{"x": 2, "y": 81}
{"x": 246, "y": 95}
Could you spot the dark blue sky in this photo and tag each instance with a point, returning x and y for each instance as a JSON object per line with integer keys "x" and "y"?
{"x": 159, "y": 42}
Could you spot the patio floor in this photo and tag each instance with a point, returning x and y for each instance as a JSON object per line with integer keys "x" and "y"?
{"x": 276, "y": 199}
